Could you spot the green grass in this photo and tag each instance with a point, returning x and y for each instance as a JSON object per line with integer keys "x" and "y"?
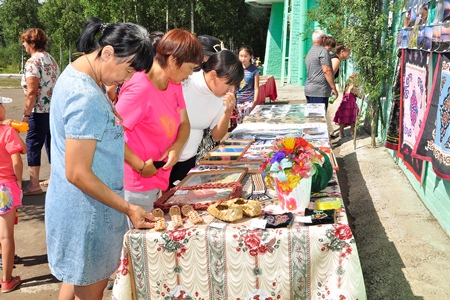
{"x": 10, "y": 83}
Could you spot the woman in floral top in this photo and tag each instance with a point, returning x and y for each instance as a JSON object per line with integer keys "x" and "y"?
{"x": 39, "y": 77}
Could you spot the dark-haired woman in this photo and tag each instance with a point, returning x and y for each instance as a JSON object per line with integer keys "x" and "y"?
{"x": 39, "y": 78}
{"x": 85, "y": 213}
{"x": 248, "y": 91}
{"x": 210, "y": 100}
{"x": 154, "y": 116}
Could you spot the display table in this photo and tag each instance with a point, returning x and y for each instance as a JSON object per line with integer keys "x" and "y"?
{"x": 238, "y": 262}
{"x": 218, "y": 260}
{"x": 267, "y": 89}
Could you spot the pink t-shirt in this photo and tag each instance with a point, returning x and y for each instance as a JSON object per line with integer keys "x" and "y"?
{"x": 9, "y": 144}
{"x": 151, "y": 119}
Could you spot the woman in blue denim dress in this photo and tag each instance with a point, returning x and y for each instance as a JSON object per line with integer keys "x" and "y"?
{"x": 85, "y": 213}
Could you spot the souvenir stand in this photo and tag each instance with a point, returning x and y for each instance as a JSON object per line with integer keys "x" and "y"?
{"x": 298, "y": 257}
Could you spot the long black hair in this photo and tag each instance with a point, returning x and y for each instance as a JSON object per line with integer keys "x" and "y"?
{"x": 130, "y": 42}
{"x": 227, "y": 65}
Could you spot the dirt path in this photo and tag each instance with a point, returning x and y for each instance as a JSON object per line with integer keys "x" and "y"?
{"x": 404, "y": 252}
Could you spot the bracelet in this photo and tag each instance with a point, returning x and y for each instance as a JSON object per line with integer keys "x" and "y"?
{"x": 26, "y": 116}
{"x": 142, "y": 169}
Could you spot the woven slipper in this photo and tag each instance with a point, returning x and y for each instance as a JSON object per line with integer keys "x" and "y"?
{"x": 193, "y": 215}
{"x": 175, "y": 216}
{"x": 27, "y": 192}
{"x": 160, "y": 223}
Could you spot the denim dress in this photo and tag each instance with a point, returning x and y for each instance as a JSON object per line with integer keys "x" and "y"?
{"x": 84, "y": 236}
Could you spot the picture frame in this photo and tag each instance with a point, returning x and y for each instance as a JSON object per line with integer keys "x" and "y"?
{"x": 237, "y": 142}
{"x": 232, "y": 150}
{"x": 253, "y": 167}
{"x": 224, "y": 154}
{"x": 200, "y": 197}
{"x": 214, "y": 177}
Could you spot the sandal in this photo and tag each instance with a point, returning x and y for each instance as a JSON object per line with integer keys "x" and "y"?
{"x": 175, "y": 216}
{"x": 160, "y": 223}
{"x": 27, "y": 192}
{"x": 10, "y": 285}
{"x": 193, "y": 215}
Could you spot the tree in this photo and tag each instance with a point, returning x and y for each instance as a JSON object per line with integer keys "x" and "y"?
{"x": 362, "y": 25}
{"x": 232, "y": 21}
{"x": 13, "y": 22}
{"x": 63, "y": 22}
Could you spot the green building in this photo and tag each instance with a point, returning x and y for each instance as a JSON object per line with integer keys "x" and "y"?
{"x": 286, "y": 45}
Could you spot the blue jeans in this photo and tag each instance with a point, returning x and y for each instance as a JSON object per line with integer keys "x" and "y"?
{"x": 37, "y": 136}
{"x": 323, "y": 100}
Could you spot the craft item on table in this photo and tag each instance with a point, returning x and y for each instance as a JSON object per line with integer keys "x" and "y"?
{"x": 227, "y": 150}
{"x": 251, "y": 208}
{"x": 218, "y": 176}
{"x": 258, "y": 184}
{"x": 224, "y": 154}
{"x": 226, "y": 211}
{"x": 321, "y": 216}
{"x": 199, "y": 196}
{"x": 175, "y": 216}
{"x": 160, "y": 223}
{"x": 247, "y": 186}
{"x": 252, "y": 166}
{"x": 260, "y": 197}
{"x": 203, "y": 168}
{"x": 290, "y": 168}
{"x": 281, "y": 220}
{"x": 328, "y": 203}
{"x": 192, "y": 214}
{"x": 235, "y": 209}
{"x": 237, "y": 142}
{"x": 323, "y": 174}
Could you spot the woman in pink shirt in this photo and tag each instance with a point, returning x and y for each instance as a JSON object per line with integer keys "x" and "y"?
{"x": 154, "y": 115}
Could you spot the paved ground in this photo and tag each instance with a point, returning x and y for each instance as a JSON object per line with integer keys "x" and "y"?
{"x": 404, "y": 252}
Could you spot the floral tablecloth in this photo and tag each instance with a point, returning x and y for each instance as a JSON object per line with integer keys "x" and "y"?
{"x": 241, "y": 262}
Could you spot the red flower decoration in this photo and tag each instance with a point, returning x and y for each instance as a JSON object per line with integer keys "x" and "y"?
{"x": 343, "y": 232}
{"x": 177, "y": 235}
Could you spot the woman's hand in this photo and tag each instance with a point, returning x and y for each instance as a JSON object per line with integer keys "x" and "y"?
{"x": 229, "y": 100}
{"x": 172, "y": 154}
{"x": 140, "y": 218}
{"x": 149, "y": 169}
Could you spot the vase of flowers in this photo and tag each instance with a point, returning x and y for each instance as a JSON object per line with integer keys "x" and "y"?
{"x": 289, "y": 168}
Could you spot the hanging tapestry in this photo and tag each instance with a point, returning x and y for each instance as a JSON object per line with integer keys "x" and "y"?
{"x": 392, "y": 132}
{"x": 434, "y": 139}
{"x": 413, "y": 106}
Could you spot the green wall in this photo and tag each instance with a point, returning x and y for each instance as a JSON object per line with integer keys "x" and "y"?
{"x": 274, "y": 43}
{"x": 297, "y": 43}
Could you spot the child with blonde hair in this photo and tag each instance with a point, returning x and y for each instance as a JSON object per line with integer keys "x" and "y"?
{"x": 11, "y": 168}
{"x": 348, "y": 108}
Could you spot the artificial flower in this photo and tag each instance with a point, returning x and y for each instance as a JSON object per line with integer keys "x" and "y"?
{"x": 292, "y": 159}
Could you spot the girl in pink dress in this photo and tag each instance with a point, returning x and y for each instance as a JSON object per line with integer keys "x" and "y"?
{"x": 11, "y": 167}
{"x": 348, "y": 109}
